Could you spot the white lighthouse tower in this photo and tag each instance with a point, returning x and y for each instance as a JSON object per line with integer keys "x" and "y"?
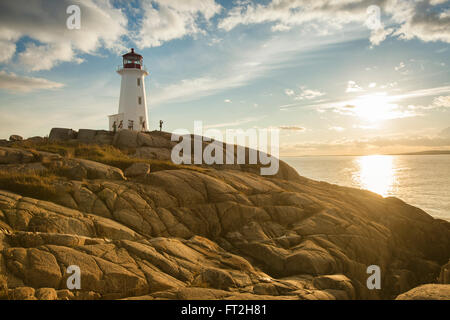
{"x": 133, "y": 103}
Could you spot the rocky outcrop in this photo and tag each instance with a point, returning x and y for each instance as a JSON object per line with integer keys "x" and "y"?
{"x": 215, "y": 233}
{"x": 95, "y": 136}
{"x": 137, "y": 170}
{"x": 62, "y": 134}
{"x": 444, "y": 276}
{"x": 427, "y": 292}
{"x": 16, "y": 156}
{"x": 15, "y": 138}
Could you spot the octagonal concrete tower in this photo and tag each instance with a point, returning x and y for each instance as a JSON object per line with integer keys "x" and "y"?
{"x": 133, "y": 103}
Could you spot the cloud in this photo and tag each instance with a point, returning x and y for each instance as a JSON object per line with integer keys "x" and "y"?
{"x": 424, "y": 22}
{"x": 227, "y": 101}
{"x": 379, "y": 35}
{"x": 291, "y": 128}
{"x": 377, "y": 144}
{"x": 51, "y": 42}
{"x": 45, "y": 57}
{"x": 338, "y": 129}
{"x": 345, "y": 106}
{"x": 289, "y": 92}
{"x": 308, "y": 94}
{"x": 7, "y": 50}
{"x": 445, "y": 133}
{"x": 409, "y": 19}
{"x": 15, "y": 83}
{"x": 241, "y": 66}
{"x": 400, "y": 66}
{"x": 233, "y": 123}
{"x": 166, "y": 20}
{"x": 442, "y": 101}
{"x": 304, "y": 93}
{"x": 438, "y": 102}
{"x": 352, "y": 86}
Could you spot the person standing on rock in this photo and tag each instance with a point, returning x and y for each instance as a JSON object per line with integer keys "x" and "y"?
{"x": 160, "y": 125}
{"x": 121, "y": 125}
{"x": 114, "y": 126}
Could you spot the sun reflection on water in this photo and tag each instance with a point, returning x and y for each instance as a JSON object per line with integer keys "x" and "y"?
{"x": 376, "y": 173}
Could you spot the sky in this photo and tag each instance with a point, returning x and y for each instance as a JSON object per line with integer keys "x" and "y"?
{"x": 331, "y": 75}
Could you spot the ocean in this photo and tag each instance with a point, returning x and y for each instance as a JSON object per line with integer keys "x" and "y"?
{"x": 420, "y": 180}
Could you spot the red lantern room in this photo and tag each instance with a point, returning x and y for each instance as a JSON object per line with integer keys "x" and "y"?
{"x": 132, "y": 60}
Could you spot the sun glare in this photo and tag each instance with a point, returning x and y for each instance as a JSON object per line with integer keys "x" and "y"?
{"x": 375, "y": 107}
{"x": 376, "y": 173}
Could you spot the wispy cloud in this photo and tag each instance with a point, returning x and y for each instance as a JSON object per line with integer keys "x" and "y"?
{"x": 245, "y": 64}
{"x": 350, "y": 103}
{"x": 377, "y": 144}
{"x": 234, "y": 123}
{"x": 291, "y": 128}
{"x": 352, "y": 86}
{"x": 304, "y": 93}
{"x": 15, "y": 83}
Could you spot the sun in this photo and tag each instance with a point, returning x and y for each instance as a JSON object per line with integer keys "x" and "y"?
{"x": 375, "y": 107}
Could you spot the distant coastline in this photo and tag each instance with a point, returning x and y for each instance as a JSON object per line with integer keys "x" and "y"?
{"x": 418, "y": 153}
{"x": 426, "y": 152}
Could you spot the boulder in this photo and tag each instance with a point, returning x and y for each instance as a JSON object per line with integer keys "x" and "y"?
{"x": 335, "y": 282}
{"x": 82, "y": 169}
{"x": 3, "y": 287}
{"x": 137, "y": 169}
{"x": 15, "y": 138}
{"x": 86, "y": 135}
{"x": 13, "y": 156}
{"x": 62, "y": 134}
{"x": 65, "y": 294}
{"x": 444, "y": 276}
{"x": 23, "y": 293}
{"x": 427, "y": 292}
{"x": 36, "y": 139}
{"x": 104, "y": 137}
{"x": 153, "y": 153}
{"x": 95, "y": 136}
{"x": 33, "y": 167}
{"x": 133, "y": 139}
{"x": 125, "y": 139}
{"x": 46, "y": 294}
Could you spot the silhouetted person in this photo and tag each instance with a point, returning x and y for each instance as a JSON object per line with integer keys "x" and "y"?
{"x": 114, "y": 126}
{"x": 121, "y": 125}
{"x": 160, "y": 125}
{"x": 143, "y": 126}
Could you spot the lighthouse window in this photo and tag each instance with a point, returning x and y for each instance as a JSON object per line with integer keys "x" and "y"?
{"x": 139, "y": 82}
{"x": 140, "y": 100}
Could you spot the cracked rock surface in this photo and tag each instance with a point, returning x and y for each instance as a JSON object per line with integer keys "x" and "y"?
{"x": 210, "y": 234}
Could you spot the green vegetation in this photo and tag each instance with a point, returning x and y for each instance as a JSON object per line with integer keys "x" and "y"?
{"x": 31, "y": 184}
{"x": 43, "y": 184}
{"x": 105, "y": 154}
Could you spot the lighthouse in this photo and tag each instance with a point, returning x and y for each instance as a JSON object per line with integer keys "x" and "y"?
{"x": 132, "y": 113}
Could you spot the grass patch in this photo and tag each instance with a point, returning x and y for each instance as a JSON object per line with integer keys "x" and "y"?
{"x": 33, "y": 185}
{"x": 105, "y": 154}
